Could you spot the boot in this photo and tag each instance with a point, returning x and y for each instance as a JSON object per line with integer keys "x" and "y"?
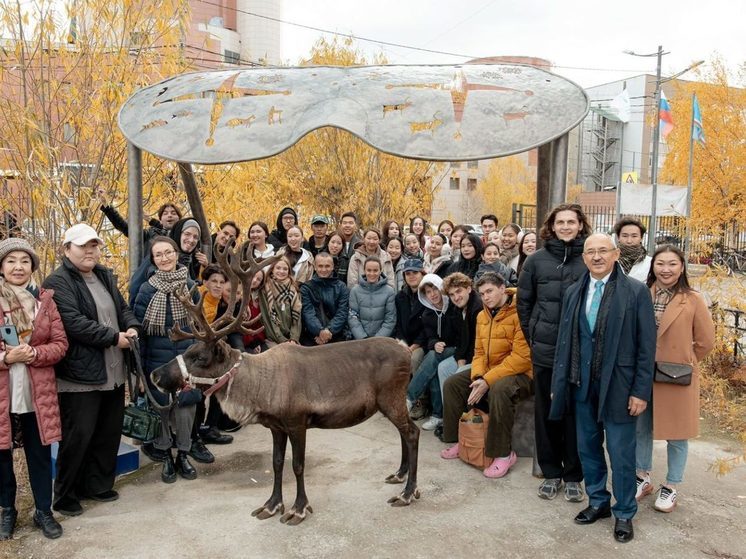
{"x": 168, "y": 473}
{"x": 8, "y": 522}
{"x": 199, "y": 452}
{"x": 49, "y": 526}
{"x": 184, "y": 467}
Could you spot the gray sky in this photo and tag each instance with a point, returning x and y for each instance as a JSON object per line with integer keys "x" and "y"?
{"x": 571, "y": 33}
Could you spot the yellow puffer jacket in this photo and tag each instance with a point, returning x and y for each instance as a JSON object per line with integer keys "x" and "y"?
{"x": 500, "y": 349}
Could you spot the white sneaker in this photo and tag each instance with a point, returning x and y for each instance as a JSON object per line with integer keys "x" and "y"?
{"x": 410, "y": 403}
{"x": 432, "y": 423}
{"x": 666, "y": 499}
{"x": 644, "y": 487}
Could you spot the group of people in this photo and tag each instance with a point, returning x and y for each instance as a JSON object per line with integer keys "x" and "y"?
{"x": 489, "y": 320}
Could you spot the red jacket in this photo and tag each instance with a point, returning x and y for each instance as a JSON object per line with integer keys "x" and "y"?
{"x": 49, "y": 340}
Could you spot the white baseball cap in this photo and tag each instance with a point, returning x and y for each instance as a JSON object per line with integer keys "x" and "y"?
{"x": 80, "y": 234}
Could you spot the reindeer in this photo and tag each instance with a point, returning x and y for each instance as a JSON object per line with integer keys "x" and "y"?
{"x": 290, "y": 388}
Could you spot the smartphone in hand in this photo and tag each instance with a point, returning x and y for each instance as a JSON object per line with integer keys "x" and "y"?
{"x": 9, "y": 334}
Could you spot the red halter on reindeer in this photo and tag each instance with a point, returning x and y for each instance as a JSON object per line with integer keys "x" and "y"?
{"x": 291, "y": 388}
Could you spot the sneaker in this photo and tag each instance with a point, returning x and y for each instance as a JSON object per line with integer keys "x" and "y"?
{"x": 199, "y": 452}
{"x": 665, "y": 501}
{"x": 500, "y": 466}
{"x": 49, "y": 526}
{"x": 439, "y": 432}
{"x": 8, "y": 522}
{"x": 550, "y": 487}
{"x": 432, "y": 423}
{"x": 574, "y": 492}
{"x": 644, "y": 487}
{"x": 449, "y": 453}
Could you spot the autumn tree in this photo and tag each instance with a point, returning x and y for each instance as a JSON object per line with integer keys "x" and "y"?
{"x": 718, "y": 180}
{"x": 65, "y": 72}
{"x": 508, "y": 181}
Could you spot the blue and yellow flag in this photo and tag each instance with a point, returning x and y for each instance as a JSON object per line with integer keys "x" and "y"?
{"x": 698, "y": 132}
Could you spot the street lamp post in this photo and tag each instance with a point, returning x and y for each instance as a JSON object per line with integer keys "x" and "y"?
{"x": 656, "y": 136}
{"x": 656, "y": 139}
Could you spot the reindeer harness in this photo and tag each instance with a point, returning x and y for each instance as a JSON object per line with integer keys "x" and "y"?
{"x": 214, "y": 383}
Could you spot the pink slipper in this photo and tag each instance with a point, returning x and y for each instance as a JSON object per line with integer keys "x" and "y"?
{"x": 450, "y": 453}
{"x": 500, "y": 466}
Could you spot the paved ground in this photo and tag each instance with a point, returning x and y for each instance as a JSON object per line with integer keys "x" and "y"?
{"x": 460, "y": 514}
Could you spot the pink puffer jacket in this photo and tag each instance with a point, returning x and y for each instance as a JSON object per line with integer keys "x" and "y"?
{"x": 50, "y": 342}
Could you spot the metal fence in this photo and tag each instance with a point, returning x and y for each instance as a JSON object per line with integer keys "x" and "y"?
{"x": 734, "y": 322}
{"x": 723, "y": 243}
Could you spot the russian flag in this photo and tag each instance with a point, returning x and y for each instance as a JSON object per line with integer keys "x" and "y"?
{"x": 664, "y": 113}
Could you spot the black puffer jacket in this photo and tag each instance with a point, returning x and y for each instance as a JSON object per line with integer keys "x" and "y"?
{"x": 409, "y": 311}
{"x": 84, "y": 360}
{"x": 545, "y": 277}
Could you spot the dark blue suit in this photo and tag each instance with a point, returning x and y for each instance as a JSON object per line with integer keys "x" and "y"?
{"x": 601, "y": 403}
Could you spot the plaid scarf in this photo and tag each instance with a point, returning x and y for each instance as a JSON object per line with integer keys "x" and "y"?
{"x": 661, "y": 298}
{"x": 165, "y": 283}
{"x": 631, "y": 255}
{"x": 281, "y": 298}
{"x": 19, "y": 305}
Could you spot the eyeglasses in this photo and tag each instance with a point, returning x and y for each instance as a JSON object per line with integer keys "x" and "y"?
{"x": 602, "y": 252}
{"x": 166, "y": 254}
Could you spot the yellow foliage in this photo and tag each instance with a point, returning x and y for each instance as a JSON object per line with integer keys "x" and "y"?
{"x": 719, "y": 183}
{"x": 508, "y": 181}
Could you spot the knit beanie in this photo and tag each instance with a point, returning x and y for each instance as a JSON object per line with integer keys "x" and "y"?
{"x": 14, "y": 243}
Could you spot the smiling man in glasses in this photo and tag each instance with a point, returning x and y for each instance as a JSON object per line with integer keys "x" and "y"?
{"x": 604, "y": 362}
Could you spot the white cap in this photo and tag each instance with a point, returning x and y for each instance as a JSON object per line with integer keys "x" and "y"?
{"x": 80, "y": 234}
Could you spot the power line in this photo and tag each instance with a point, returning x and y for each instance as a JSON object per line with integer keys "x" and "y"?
{"x": 392, "y": 44}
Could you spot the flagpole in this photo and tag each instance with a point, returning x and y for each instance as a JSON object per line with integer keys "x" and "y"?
{"x": 687, "y": 238}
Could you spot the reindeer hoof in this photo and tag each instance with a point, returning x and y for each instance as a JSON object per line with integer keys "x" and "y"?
{"x": 264, "y": 512}
{"x": 295, "y": 516}
{"x": 396, "y": 478}
{"x": 403, "y": 500}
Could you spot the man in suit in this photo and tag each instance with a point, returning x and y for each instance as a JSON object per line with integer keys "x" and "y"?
{"x": 604, "y": 368}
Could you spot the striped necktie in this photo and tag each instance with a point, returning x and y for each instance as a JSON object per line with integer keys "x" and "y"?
{"x": 595, "y": 304}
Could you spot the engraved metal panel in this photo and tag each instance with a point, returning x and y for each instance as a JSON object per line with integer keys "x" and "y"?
{"x": 446, "y": 113}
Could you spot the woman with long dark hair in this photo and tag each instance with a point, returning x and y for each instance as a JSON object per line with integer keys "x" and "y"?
{"x": 686, "y": 334}
{"x": 471, "y": 256}
{"x": 526, "y": 247}
{"x": 418, "y": 226}
{"x": 391, "y": 230}
{"x": 259, "y": 235}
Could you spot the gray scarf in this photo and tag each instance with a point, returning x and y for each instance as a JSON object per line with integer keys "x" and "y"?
{"x": 165, "y": 283}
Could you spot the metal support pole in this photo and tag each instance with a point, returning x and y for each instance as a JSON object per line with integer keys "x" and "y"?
{"x": 543, "y": 184}
{"x": 558, "y": 172}
{"x": 195, "y": 204}
{"x": 134, "y": 197}
{"x": 656, "y": 140}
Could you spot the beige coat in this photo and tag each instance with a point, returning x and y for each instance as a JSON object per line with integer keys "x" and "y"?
{"x": 358, "y": 261}
{"x": 686, "y": 335}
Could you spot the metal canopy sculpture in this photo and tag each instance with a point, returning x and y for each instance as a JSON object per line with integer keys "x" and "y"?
{"x": 446, "y": 113}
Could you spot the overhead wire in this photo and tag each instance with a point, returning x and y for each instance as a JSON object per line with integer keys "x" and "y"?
{"x": 391, "y": 43}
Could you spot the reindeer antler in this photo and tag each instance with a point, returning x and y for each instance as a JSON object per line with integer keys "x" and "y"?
{"x": 239, "y": 265}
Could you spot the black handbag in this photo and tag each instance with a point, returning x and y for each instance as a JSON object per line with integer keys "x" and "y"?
{"x": 141, "y": 421}
{"x": 673, "y": 373}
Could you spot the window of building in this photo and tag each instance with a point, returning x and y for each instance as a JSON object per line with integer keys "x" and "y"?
{"x": 472, "y": 165}
{"x": 454, "y": 183}
{"x": 231, "y": 57}
{"x": 471, "y": 184}
{"x": 456, "y": 164}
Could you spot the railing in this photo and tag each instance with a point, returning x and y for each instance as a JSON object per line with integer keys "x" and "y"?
{"x": 734, "y": 321}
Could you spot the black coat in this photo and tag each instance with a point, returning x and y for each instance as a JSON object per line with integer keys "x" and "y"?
{"x": 465, "y": 348}
{"x": 545, "y": 277}
{"x": 628, "y": 352}
{"x": 84, "y": 361}
{"x": 409, "y": 311}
